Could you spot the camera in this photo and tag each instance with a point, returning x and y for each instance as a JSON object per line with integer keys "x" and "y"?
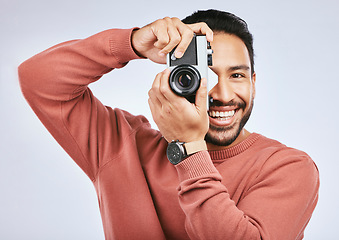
{"x": 187, "y": 71}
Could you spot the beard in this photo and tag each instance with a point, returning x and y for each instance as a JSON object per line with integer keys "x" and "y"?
{"x": 225, "y": 136}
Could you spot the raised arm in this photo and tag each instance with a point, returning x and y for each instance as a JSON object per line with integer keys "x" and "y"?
{"x": 55, "y": 84}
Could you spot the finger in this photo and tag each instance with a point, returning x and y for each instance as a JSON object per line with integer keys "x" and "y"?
{"x": 155, "y": 111}
{"x": 156, "y": 82}
{"x": 201, "y": 97}
{"x": 154, "y": 108}
{"x": 187, "y": 33}
{"x": 202, "y": 28}
{"x": 152, "y": 97}
{"x": 186, "y": 37}
{"x": 155, "y": 92}
{"x": 174, "y": 36}
{"x": 165, "y": 88}
{"x": 159, "y": 29}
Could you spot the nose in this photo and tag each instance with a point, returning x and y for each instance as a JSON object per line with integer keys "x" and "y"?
{"x": 222, "y": 91}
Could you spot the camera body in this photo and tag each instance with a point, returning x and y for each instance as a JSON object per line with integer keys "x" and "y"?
{"x": 187, "y": 71}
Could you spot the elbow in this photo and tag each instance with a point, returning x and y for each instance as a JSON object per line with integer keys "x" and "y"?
{"x": 28, "y": 77}
{"x": 24, "y": 73}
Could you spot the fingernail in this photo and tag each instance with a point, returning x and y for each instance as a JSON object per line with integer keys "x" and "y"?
{"x": 204, "y": 82}
{"x": 161, "y": 54}
{"x": 178, "y": 54}
{"x": 210, "y": 36}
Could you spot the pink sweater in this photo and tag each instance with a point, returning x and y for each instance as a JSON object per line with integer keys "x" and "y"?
{"x": 258, "y": 189}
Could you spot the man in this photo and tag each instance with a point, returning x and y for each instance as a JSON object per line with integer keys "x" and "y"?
{"x": 242, "y": 186}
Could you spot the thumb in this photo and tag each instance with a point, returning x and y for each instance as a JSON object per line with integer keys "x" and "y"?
{"x": 201, "y": 97}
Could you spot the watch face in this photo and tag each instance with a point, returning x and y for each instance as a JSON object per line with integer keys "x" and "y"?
{"x": 174, "y": 153}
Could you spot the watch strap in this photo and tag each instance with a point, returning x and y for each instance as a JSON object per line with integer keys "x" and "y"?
{"x": 195, "y": 146}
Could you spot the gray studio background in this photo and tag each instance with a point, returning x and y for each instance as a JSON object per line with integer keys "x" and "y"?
{"x": 44, "y": 195}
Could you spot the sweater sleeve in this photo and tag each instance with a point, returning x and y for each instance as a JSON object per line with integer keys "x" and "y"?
{"x": 277, "y": 204}
{"x": 55, "y": 84}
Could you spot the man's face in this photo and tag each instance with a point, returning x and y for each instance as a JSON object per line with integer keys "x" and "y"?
{"x": 233, "y": 95}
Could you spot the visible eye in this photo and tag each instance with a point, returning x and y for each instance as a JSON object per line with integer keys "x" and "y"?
{"x": 237, "y": 75}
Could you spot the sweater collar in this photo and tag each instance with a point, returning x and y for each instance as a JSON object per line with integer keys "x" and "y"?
{"x": 235, "y": 150}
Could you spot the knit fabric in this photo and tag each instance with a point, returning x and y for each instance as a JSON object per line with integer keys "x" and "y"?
{"x": 258, "y": 189}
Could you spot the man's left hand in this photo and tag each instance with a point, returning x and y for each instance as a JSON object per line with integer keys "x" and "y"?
{"x": 175, "y": 116}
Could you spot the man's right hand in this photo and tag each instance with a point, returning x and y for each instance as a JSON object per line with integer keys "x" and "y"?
{"x": 155, "y": 40}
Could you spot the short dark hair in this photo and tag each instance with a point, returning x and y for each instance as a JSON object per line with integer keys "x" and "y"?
{"x": 221, "y": 21}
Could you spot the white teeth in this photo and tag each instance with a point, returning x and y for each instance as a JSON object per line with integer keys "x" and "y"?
{"x": 225, "y": 114}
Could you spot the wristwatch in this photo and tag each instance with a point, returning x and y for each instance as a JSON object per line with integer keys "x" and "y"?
{"x": 178, "y": 151}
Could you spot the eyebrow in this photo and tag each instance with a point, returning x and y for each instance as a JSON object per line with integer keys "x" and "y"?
{"x": 239, "y": 67}
{"x": 235, "y": 68}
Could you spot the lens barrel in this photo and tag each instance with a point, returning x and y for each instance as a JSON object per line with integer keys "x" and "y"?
{"x": 184, "y": 80}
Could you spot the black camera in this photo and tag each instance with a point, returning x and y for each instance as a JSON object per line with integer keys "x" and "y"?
{"x": 187, "y": 71}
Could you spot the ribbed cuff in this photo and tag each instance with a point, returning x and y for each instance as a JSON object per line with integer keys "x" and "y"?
{"x": 121, "y": 46}
{"x": 198, "y": 164}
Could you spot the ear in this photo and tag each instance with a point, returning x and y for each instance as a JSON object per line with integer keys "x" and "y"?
{"x": 253, "y": 79}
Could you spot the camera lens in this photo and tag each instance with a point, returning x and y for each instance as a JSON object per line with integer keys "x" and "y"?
{"x": 184, "y": 80}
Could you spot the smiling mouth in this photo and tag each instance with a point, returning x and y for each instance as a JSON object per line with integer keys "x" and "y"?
{"x": 221, "y": 115}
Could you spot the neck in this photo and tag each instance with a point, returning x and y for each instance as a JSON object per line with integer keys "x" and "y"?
{"x": 242, "y": 136}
